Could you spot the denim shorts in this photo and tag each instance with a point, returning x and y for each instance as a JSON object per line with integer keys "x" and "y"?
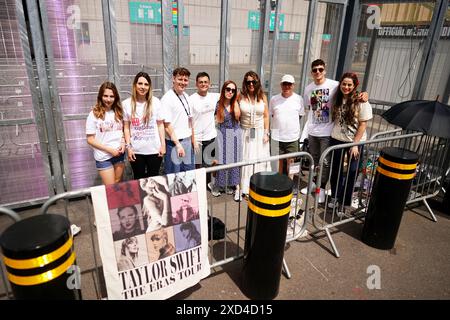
{"x": 107, "y": 164}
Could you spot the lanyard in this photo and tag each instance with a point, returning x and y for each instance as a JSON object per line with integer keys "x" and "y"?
{"x": 185, "y": 110}
{"x": 252, "y": 111}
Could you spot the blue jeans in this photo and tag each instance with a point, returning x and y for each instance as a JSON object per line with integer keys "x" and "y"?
{"x": 173, "y": 163}
{"x": 317, "y": 146}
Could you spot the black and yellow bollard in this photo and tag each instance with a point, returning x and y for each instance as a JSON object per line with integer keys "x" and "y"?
{"x": 40, "y": 260}
{"x": 395, "y": 173}
{"x": 268, "y": 211}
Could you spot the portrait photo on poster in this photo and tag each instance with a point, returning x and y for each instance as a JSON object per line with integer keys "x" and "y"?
{"x": 160, "y": 244}
{"x": 131, "y": 252}
{"x": 156, "y": 206}
{"x": 184, "y": 207}
{"x": 187, "y": 235}
{"x": 123, "y": 194}
{"x": 126, "y": 222}
{"x": 182, "y": 182}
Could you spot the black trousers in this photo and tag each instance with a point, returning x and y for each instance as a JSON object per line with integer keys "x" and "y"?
{"x": 205, "y": 159}
{"x": 146, "y": 165}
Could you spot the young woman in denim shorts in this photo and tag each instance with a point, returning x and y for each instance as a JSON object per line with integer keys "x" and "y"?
{"x": 104, "y": 131}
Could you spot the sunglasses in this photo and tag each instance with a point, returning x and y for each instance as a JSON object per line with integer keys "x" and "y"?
{"x": 232, "y": 90}
{"x": 249, "y": 82}
{"x": 314, "y": 70}
{"x": 286, "y": 84}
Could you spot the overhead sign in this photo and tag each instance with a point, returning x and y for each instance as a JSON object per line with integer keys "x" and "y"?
{"x": 150, "y": 12}
{"x": 326, "y": 37}
{"x": 409, "y": 32}
{"x": 145, "y": 12}
{"x": 295, "y": 36}
{"x": 254, "y": 18}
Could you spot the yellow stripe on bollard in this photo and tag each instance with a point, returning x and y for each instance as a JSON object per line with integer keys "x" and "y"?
{"x": 269, "y": 213}
{"x": 39, "y": 261}
{"x": 270, "y": 200}
{"x": 43, "y": 277}
{"x": 396, "y": 175}
{"x": 397, "y": 165}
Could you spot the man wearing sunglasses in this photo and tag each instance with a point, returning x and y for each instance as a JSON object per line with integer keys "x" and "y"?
{"x": 285, "y": 112}
{"x": 318, "y": 98}
{"x": 203, "y": 106}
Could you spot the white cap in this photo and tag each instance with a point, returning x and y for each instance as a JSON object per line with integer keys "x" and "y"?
{"x": 287, "y": 78}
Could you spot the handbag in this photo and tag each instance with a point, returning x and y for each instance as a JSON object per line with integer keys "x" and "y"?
{"x": 218, "y": 228}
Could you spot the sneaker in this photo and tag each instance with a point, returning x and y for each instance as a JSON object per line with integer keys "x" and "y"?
{"x": 229, "y": 190}
{"x": 333, "y": 203}
{"x": 295, "y": 227}
{"x": 340, "y": 214}
{"x": 214, "y": 190}
{"x": 237, "y": 196}
{"x": 75, "y": 229}
{"x": 305, "y": 189}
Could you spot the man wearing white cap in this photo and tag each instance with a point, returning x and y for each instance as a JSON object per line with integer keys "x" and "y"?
{"x": 285, "y": 112}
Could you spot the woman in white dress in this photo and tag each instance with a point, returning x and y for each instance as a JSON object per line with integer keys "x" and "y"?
{"x": 255, "y": 127}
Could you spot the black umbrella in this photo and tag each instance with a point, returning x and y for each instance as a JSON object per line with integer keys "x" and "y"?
{"x": 429, "y": 117}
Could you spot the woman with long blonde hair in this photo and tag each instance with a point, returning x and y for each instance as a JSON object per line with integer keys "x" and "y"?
{"x": 144, "y": 128}
{"x": 104, "y": 132}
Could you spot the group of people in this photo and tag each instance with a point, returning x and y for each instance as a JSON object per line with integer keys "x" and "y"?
{"x": 207, "y": 128}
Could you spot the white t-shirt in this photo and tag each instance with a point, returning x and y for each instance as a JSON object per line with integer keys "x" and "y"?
{"x": 177, "y": 111}
{"x": 346, "y": 133}
{"x": 318, "y": 99}
{"x": 108, "y": 132}
{"x": 144, "y": 137}
{"x": 203, "y": 111}
{"x": 284, "y": 116}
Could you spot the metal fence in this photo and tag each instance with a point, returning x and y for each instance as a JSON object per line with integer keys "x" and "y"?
{"x": 433, "y": 155}
{"x": 221, "y": 252}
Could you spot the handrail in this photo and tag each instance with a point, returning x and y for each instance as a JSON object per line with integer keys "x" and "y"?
{"x": 10, "y": 213}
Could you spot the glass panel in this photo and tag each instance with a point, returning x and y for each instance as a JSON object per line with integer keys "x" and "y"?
{"x": 440, "y": 71}
{"x": 394, "y": 50}
{"x": 244, "y": 43}
{"x": 327, "y": 35}
{"x": 77, "y": 37}
{"x": 201, "y": 40}
{"x": 293, "y": 18}
{"x": 139, "y": 42}
{"x": 22, "y": 175}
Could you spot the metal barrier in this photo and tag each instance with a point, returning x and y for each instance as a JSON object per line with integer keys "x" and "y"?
{"x": 221, "y": 251}
{"x": 432, "y": 153}
{"x": 297, "y": 224}
{"x": 6, "y": 289}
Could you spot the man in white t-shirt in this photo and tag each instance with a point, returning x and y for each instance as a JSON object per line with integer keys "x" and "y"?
{"x": 203, "y": 107}
{"x": 318, "y": 98}
{"x": 178, "y": 124}
{"x": 285, "y": 112}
